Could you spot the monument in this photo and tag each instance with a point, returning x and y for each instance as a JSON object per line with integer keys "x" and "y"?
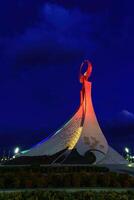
{"x": 81, "y": 137}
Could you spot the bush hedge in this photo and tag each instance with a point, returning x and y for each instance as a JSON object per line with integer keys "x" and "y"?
{"x": 52, "y": 195}
{"x": 53, "y": 168}
{"x": 58, "y": 178}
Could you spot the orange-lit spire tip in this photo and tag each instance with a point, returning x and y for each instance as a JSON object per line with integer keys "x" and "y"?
{"x": 87, "y": 73}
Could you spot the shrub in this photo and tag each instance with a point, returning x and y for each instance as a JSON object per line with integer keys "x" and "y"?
{"x": 62, "y": 177}
{"x": 52, "y": 195}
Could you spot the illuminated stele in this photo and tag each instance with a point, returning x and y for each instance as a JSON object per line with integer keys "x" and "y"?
{"x": 81, "y": 133}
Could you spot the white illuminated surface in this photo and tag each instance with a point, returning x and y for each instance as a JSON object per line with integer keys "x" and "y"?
{"x": 126, "y": 150}
{"x": 16, "y": 150}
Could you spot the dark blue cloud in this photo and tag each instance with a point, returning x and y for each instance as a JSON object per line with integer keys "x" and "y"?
{"x": 17, "y": 15}
{"x": 60, "y": 37}
{"x": 66, "y": 31}
{"x": 92, "y": 6}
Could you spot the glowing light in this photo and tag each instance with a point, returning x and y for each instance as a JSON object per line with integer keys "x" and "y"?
{"x": 131, "y": 165}
{"x": 126, "y": 150}
{"x": 75, "y": 138}
{"x": 16, "y": 150}
{"x": 23, "y": 152}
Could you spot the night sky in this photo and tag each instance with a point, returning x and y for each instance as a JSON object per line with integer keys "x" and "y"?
{"x": 42, "y": 44}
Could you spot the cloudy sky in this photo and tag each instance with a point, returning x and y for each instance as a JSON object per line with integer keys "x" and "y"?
{"x": 42, "y": 44}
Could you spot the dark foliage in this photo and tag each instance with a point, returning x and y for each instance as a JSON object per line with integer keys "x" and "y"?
{"x": 62, "y": 177}
{"x": 49, "y": 195}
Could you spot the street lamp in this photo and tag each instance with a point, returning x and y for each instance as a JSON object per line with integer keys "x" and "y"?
{"x": 127, "y": 152}
{"x": 16, "y": 150}
{"x": 126, "y": 149}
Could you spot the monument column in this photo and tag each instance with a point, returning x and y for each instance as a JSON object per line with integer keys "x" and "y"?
{"x": 92, "y": 138}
